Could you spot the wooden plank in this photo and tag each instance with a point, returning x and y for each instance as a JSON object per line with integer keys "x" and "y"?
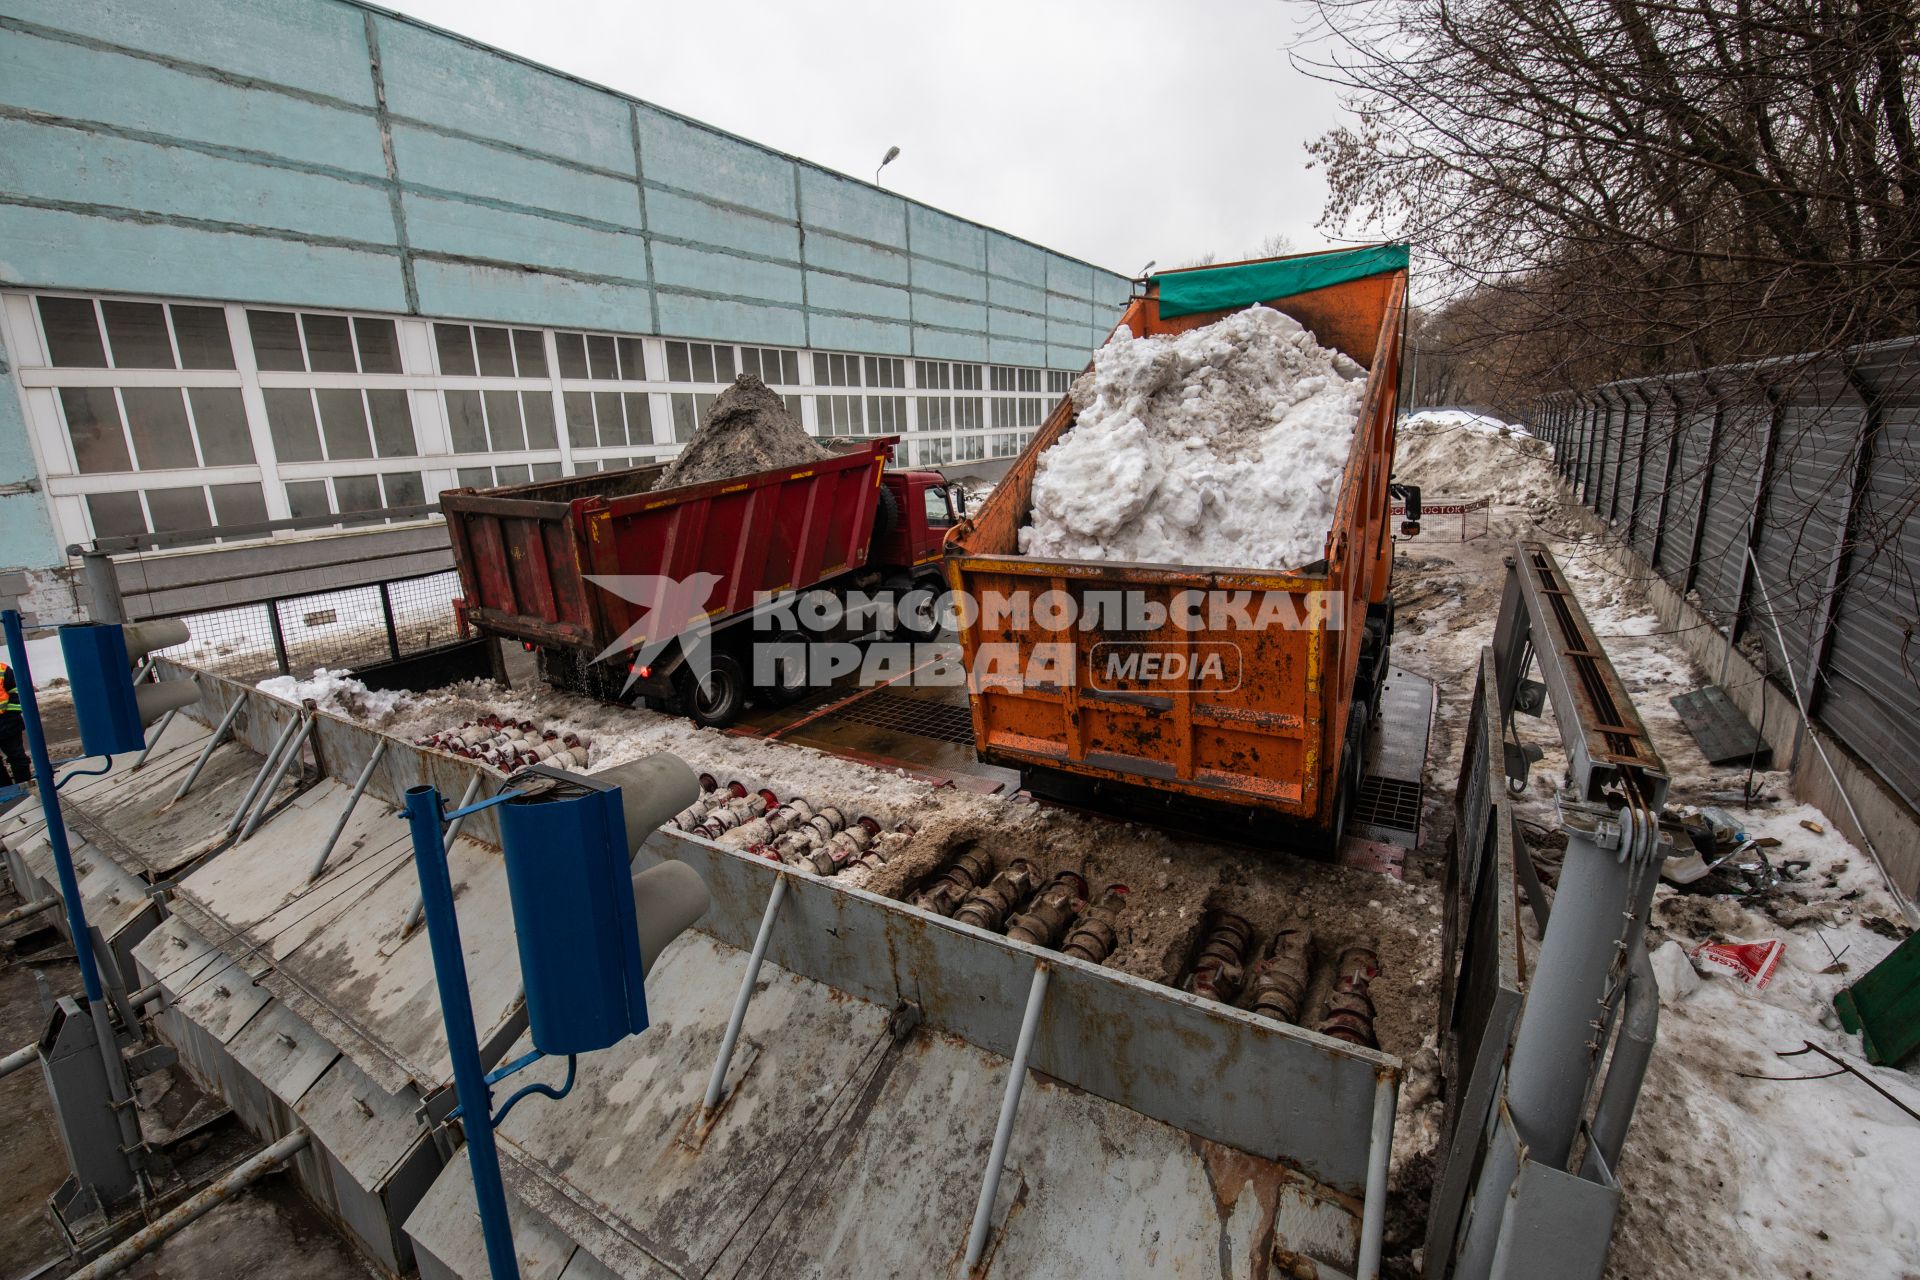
{"x": 1723, "y": 734}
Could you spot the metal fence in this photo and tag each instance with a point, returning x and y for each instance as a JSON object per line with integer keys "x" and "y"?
{"x": 295, "y": 635}
{"x": 1781, "y": 498}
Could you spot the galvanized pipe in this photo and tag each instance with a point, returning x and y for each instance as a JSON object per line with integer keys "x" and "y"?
{"x": 1009, "y": 1105}
{"x": 145, "y": 996}
{"x": 159, "y": 733}
{"x": 1632, "y": 1051}
{"x": 25, "y": 1055}
{"x": 1373, "y": 1211}
{"x": 34, "y": 908}
{"x": 266, "y": 767}
{"x": 287, "y": 759}
{"x": 206, "y": 753}
{"x": 419, "y": 912}
{"x": 216, "y": 1193}
{"x": 359, "y": 789}
{"x": 740, "y": 1002}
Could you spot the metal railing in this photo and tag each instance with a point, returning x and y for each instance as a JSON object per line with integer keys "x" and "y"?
{"x": 354, "y": 627}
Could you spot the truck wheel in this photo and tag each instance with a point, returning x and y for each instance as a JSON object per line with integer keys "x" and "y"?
{"x": 719, "y": 702}
{"x": 916, "y": 620}
{"x": 886, "y": 516}
{"x": 789, "y": 681}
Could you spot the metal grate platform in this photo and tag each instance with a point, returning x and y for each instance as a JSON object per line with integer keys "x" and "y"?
{"x": 1387, "y": 802}
{"x": 942, "y": 721}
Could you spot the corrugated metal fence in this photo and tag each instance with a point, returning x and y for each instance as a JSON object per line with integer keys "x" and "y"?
{"x": 1812, "y": 463}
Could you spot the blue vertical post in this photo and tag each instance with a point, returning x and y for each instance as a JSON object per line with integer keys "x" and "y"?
{"x": 118, "y": 1088}
{"x": 463, "y": 1042}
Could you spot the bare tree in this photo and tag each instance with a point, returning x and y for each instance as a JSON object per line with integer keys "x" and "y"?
{"x": 1620, "y": 187}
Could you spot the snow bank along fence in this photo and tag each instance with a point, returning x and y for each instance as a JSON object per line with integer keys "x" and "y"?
{"x": 292, "y": 635}
{"x": 1778, "y": 498}
{"x": 263, "y": 938}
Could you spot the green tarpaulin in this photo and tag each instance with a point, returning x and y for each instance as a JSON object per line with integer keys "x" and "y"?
{"x": 1220, "y": 288}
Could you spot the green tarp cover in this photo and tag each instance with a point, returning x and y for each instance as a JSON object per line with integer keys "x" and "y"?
{"x": 1220, "y": 288}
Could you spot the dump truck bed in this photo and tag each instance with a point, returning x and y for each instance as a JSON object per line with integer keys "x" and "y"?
{"x": 1267, "y": 736}
{"x": 525, "y": 552}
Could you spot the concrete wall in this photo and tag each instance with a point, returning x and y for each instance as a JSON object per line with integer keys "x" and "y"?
{"x": 335, "y": 155}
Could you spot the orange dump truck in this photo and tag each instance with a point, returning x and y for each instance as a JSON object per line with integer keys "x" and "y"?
{"x": 1145, "y": 696}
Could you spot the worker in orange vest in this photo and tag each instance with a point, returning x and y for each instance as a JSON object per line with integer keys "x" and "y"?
{"x": 13, "y": 730}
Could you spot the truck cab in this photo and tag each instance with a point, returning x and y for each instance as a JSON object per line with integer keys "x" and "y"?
{"x": 917, "y": 508}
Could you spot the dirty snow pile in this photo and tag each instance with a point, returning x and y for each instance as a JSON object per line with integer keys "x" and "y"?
{"x": 335, "y": 691}
{"x": 1454, "y": 453}
{"x": 1223, "y": 446}
{"x": 748, "y": 429}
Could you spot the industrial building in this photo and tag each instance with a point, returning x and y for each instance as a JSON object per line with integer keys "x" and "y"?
{"x": 271, "y": 262}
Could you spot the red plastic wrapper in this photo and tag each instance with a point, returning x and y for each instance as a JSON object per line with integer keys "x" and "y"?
{"x": 1751, "y": 962}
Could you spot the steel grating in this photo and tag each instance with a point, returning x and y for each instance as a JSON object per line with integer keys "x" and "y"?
{"x": 1387, "y": 802}
{"x": 943, "y": 721}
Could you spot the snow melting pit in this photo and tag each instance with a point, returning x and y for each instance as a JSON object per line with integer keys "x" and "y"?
{"x": 1223, "y": 445}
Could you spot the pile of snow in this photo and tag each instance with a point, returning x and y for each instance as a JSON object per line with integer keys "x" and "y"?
{"x": 1454, "y": 453}
{"x": 1223, "y": 446}
{"x": 335, "y": 691}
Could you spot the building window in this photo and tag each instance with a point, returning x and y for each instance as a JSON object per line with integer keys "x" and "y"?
{"x": 1006, "y": 444}
{"x": 1059, "y": 382}
{"x": 176, "y": 509}
{"x": 689, "y": 413}
{"x": 773, "y": 367}
{"x": 141, "y": 335}
{"x": 701, "y": 362}
{"x": 597, "y": 419}
{"x": 313, "y": 342}
{"x": 332, "y": 424}
{"x": 155, "y": 428}
{"x": 600, "y": 357}
{"x": 345, "y": 495}
{"x": 500, "y": 421}
{"x": 485, "y": 351}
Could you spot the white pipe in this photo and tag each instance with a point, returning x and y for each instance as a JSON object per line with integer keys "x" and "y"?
{"x": 222, "y": 1189}
{"x": 1893, "y": 888}
{"x": 287, "y": 760}
{"x": 359, "y": 789}
{"x": 741, "y": 1001}
{"x": 21, "y": 1057}
{"x": 266, "y": 767}
{"x": 218, "y": 736}
{"x": 33, "y": 908}
{"x": 1009, "y": 1106}
{"x": 1373, "y": 1212}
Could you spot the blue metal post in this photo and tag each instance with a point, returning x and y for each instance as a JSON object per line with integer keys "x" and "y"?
{"x": 118, "y": 1088}
{"x": 463, "y": 1042}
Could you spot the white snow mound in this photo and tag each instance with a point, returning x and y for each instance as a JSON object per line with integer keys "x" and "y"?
{"x": 1220, "y": 446}
{"x": 1453, "y": 453}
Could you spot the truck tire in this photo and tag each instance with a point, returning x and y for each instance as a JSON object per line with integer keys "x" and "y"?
{"x": 886, "y": 516}
{"x": 916, "y": 622}
{"x": 723, "y": 697}
{"x": 788, "y": 684}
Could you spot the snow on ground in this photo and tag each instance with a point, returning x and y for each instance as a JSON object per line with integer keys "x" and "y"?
{"x": 1725, "y": 1178}
{"x": 1219, "y": 446}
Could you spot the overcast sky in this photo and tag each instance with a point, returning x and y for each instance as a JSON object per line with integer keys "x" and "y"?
{"x": 1114, "y": 130}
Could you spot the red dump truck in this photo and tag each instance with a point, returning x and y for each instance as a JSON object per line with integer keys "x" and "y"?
{"x": 576, "y": 568}
{"x": 1279, "y": 735}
